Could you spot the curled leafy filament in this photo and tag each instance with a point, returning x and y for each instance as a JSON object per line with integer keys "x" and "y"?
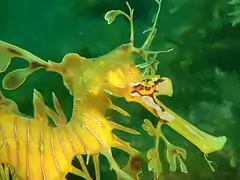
{"x": 173, "y": 153}
{"x": 151, "y": 63}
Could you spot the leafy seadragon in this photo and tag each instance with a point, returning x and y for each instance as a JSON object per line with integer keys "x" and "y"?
{"x": 91, "y": 82}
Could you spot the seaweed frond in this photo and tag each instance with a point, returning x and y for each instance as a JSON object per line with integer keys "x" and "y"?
{"x": 235, "y": 14}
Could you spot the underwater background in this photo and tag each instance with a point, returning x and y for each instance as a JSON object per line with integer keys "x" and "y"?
{"x": 204, "y": 67}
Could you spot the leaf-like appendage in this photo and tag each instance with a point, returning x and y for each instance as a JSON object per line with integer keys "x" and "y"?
{"x": 5, "y": 61}
{"x": 15, "y": 78}
{"x": 112, "y": 14}
{"x": 175, "y": 153}
{"x": 154, "y": 164}
{"x": 148, "y": 127}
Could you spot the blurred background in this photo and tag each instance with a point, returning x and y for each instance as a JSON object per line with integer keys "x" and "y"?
{"x": 204, "y": 67}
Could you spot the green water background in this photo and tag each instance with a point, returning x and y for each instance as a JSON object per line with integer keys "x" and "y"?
{"x": 204, "y": 67}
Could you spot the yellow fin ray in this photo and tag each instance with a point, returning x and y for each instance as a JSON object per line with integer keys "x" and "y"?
{"x": 78, "y": 172}
{"x": 58, "y": 117}
{"x": 113, "y": 165}
{"x": 59, "y": 109}
{"x": 84, "y": 168}
{"x": 118, "y": 109}
{"x": 96, "y": 166}
{"x": 39, "y": 107}
{"x": 125, "y": 146}
{"x": 122, "y": 128}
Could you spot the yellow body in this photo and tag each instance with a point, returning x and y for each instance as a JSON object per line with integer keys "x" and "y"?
{"x": 37, "y": 151}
